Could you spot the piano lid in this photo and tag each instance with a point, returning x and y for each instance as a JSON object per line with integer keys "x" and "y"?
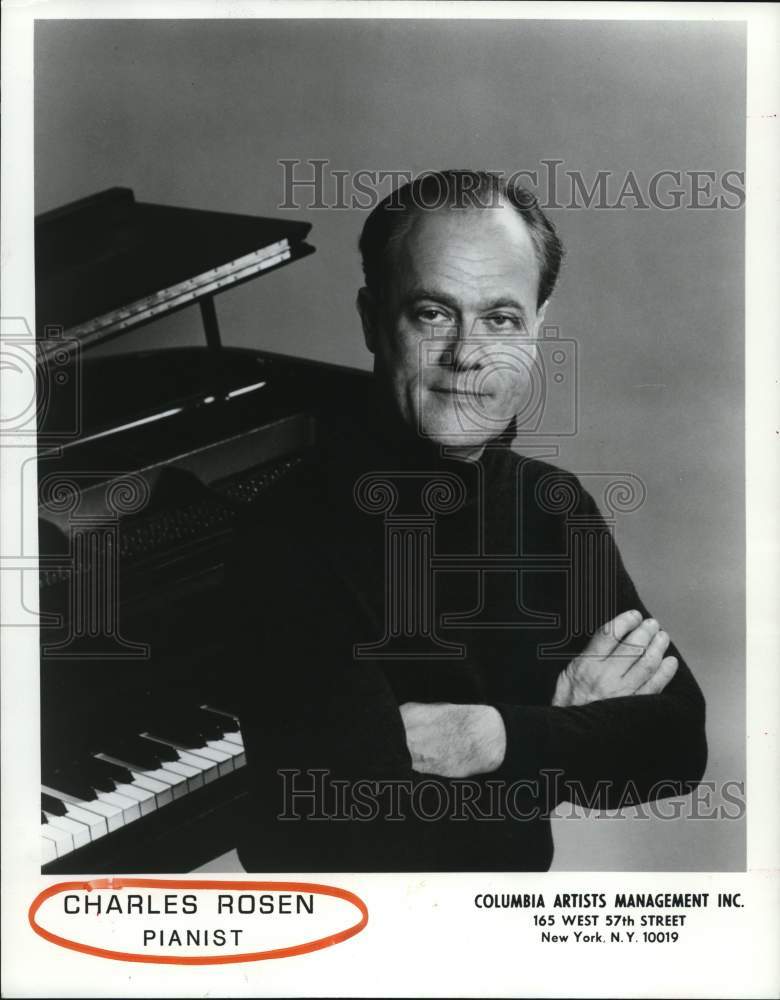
{"x": 107, "y": 264}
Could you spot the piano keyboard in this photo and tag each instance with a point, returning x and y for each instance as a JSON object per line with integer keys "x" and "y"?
{"x": 135, "y": 777}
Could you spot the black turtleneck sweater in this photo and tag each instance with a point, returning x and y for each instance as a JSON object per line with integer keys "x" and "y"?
{"x": 524, "y": 567}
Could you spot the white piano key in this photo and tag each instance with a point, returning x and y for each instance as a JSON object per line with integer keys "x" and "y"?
{"x": 163, "y": 793}
{"x": 79, "y": 831}
{"x": 111, "y": 814}
{"x": 234, "y": 738}
{"x": 129, "y": 807}
{"x": 62, "y": 840}
{"x": 96, "y": 825}
{"x": 157, "y": 780}
{"x": 160, "y": 789}
{"x": 234, "y": 751}
{"x": 218, "y": 743}
{"x": 223, "y": 760}
{"x": 208, "y": 768}
{"x": 194, "y": 775}
{"x": 48, "y": 848}
{"x": 175, "y": 782}
{"x": 145, "y": 799}
{"x": 178, "y": 781}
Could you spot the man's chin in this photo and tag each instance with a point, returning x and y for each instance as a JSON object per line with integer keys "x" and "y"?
{"x": 464, "y": 432}
{"x": 460, "y": 440}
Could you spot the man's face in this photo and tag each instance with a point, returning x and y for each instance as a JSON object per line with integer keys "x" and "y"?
{"x": 453, "y": 335}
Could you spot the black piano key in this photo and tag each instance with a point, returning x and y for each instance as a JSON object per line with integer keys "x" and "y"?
{"x": 55, "y": 806}
{"x": 209, "y": 724}
{"x": 43, "y": 818}
{"x": 95, "y": 775}
{"x": 163, "y": 751}
{"x": 101, "y": 783}
{"x": 179, "y": 725}
{"x": 70, "y": 781}
{"x": 114, "y": 771}
{"x": 136, "y": 751}
{"x": 227, "y": 720}
{"x": 178, "y": 731}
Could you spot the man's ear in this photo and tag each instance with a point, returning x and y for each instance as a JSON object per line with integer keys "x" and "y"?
{"x": 367, "y": 308}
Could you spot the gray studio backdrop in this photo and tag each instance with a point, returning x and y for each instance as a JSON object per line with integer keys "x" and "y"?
{"x": 198, "y": 114}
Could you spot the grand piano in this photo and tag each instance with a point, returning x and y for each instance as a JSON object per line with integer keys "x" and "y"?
{"x": 146, "y": 461}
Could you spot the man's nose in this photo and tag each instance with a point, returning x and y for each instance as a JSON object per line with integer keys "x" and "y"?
{"x": 460, "y": 351}
{"x": 467, "y": 356}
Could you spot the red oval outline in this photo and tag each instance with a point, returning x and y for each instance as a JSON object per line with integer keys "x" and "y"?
{"x": 157, "y": 883}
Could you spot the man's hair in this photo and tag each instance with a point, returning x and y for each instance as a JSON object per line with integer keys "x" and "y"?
{"x": 456, "y": 189}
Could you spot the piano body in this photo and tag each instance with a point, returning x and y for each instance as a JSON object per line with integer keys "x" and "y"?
{"x": 145, "y": 461}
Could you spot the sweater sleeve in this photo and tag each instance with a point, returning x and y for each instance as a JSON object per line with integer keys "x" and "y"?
{"x": 619, "y": 750}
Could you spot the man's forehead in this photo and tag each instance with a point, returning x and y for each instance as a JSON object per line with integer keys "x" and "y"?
{"x": 474, "y": 247}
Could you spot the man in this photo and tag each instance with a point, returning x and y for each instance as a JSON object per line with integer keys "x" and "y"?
{"x": 423, "y": 675}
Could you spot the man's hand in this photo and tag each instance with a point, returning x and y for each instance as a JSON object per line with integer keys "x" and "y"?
{"x": 455, "y": 741}
{"x": 625, "y": 657}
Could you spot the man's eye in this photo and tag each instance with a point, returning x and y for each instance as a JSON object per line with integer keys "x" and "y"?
{"x": 504, "y": 321}
{"x": 432, "y": 315}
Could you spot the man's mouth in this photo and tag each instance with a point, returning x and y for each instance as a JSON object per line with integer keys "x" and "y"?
{"x": 450, "y": 390}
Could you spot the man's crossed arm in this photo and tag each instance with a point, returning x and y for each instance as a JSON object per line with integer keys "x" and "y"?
{"x": 625, "y": 658}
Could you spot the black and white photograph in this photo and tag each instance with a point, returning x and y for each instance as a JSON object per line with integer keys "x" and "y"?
{"x": 383, "y": 482}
